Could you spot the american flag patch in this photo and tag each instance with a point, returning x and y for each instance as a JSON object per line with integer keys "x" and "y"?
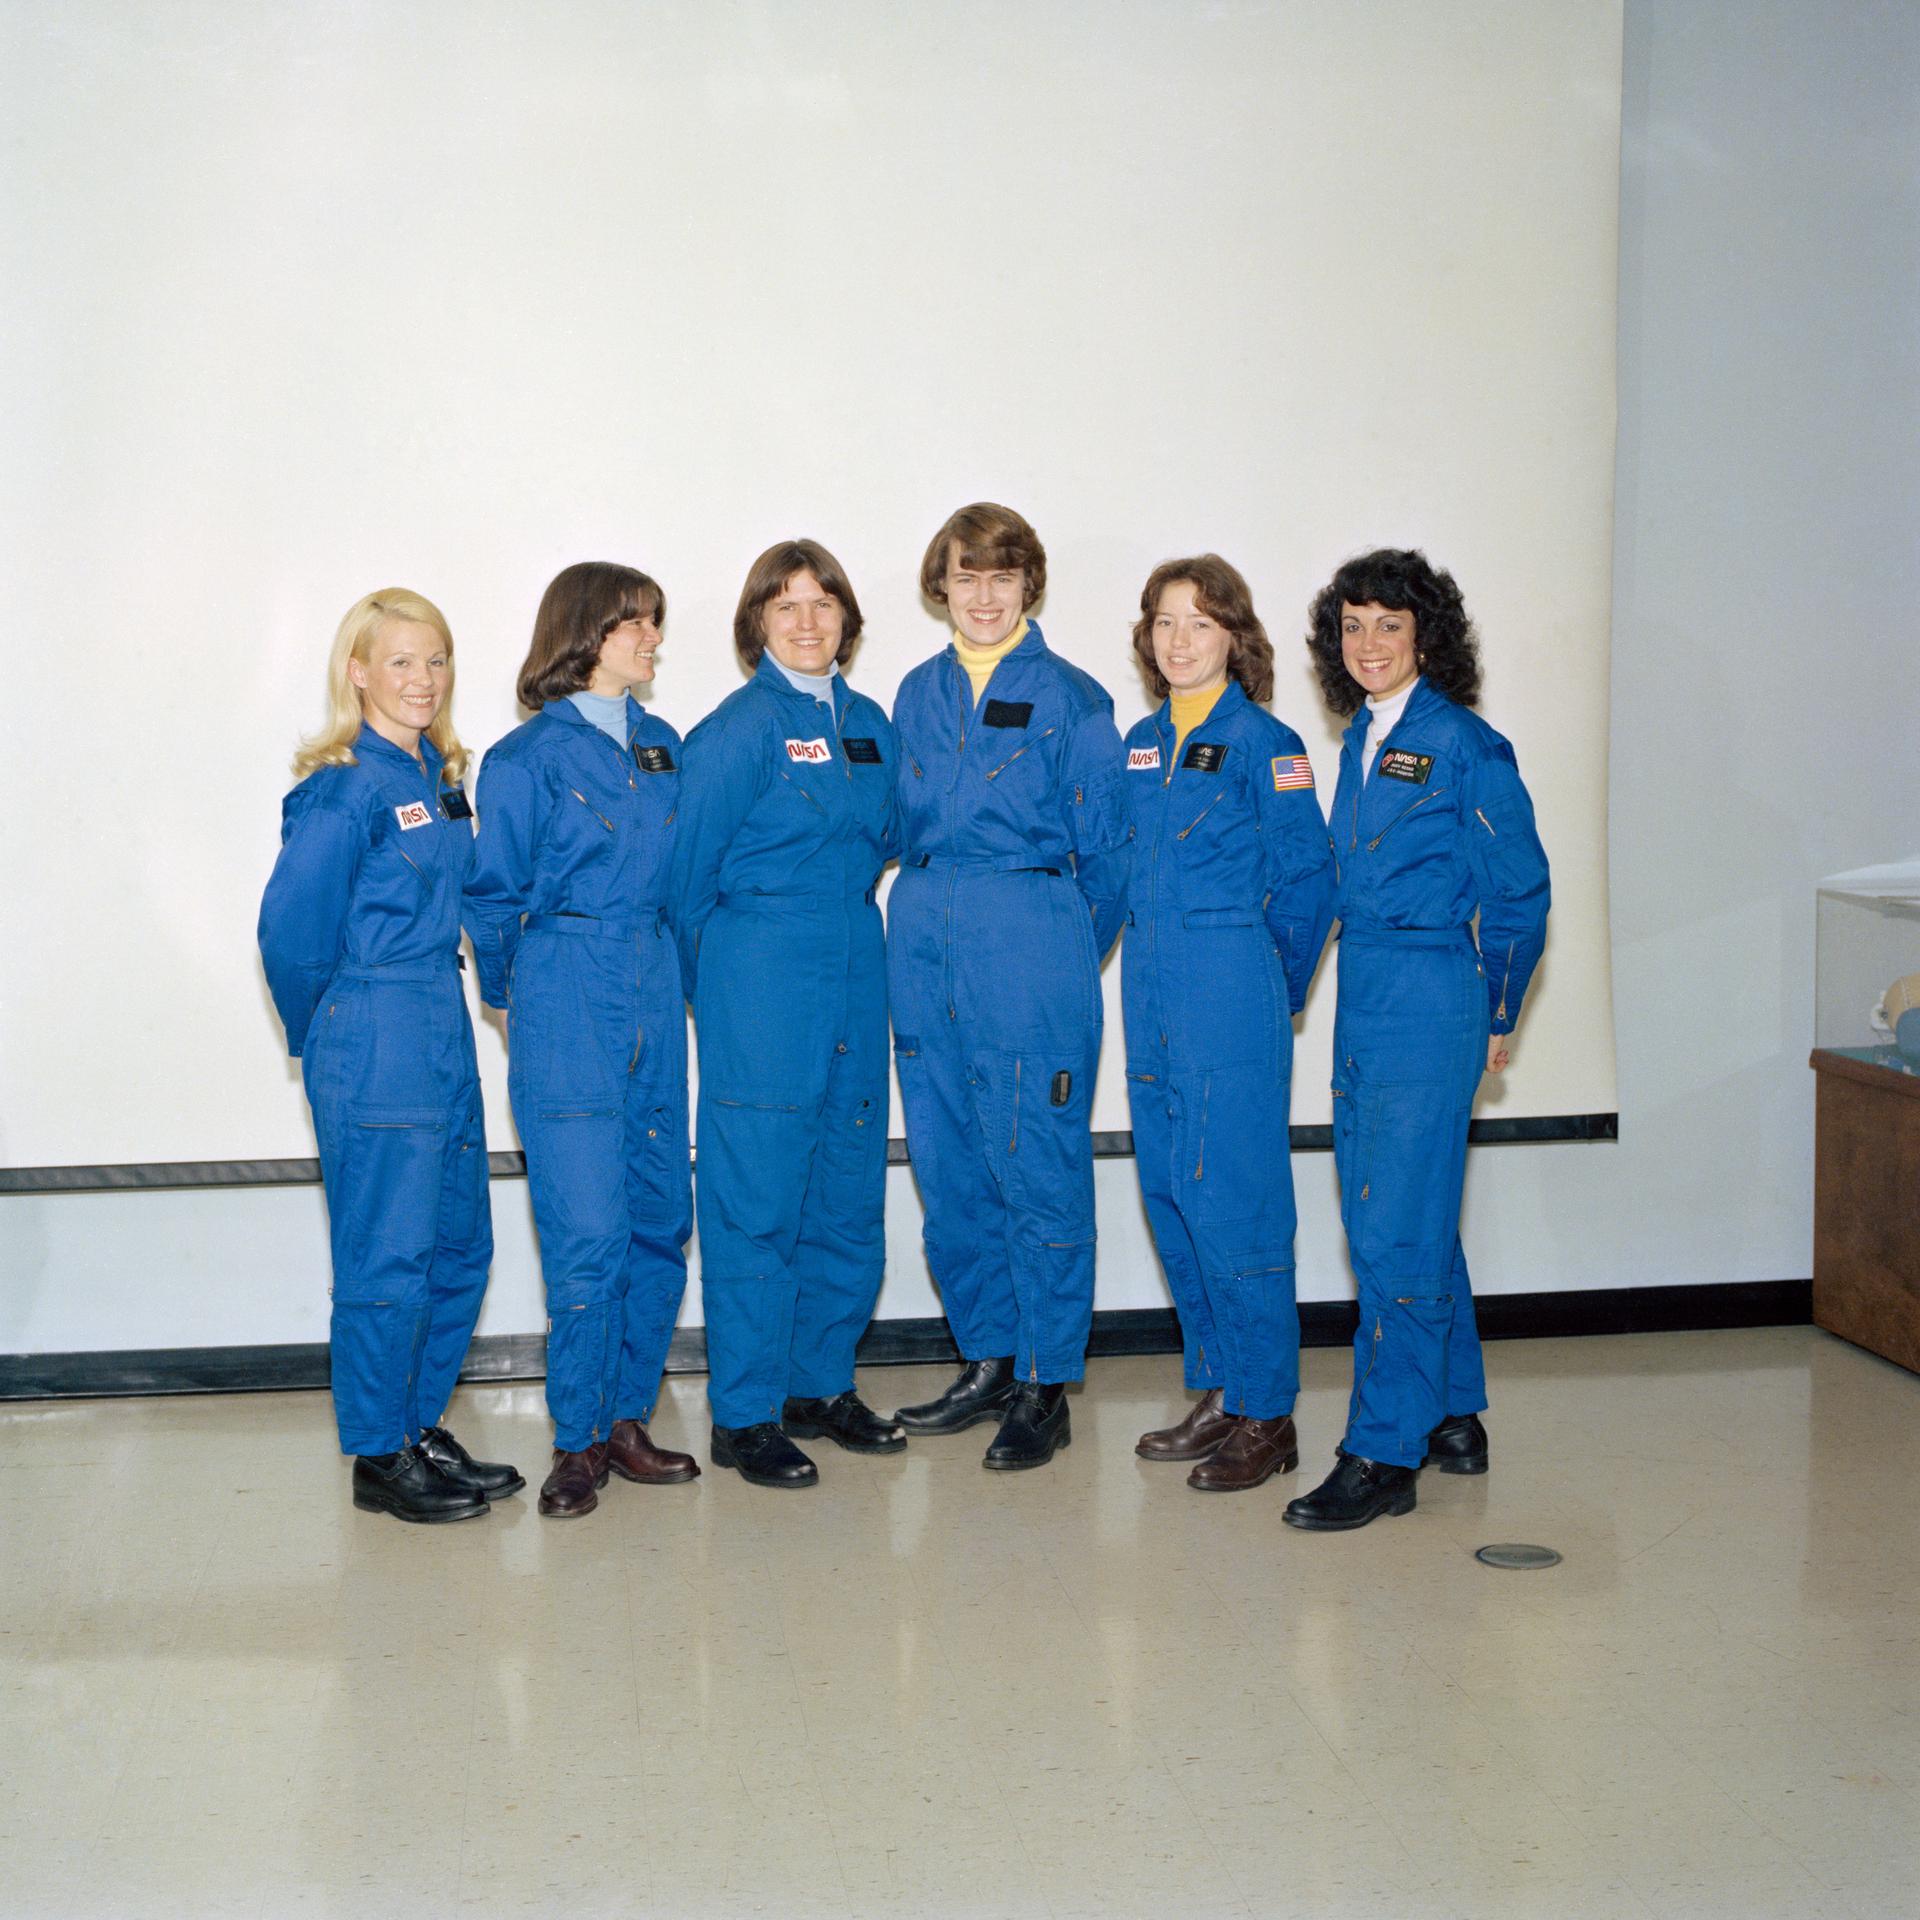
{"x": 1292, "y": 770}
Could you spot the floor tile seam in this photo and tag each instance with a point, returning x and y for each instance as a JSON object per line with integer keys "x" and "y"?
{"x": 1381, "y": 1819}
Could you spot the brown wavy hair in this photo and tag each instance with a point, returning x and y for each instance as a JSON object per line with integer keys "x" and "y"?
{"x": 1445, "y": 647}
{"x": 988, "y": 537}
{"x": 581, "y": 606}
{"x": 1221, "y": 593}
{"x": 769, "y": 574}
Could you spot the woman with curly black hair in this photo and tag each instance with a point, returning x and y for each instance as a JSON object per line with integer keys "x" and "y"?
{"x": 1431, "y": 825}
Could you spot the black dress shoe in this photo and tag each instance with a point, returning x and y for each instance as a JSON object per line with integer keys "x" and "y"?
{"x": 490, "y": 1479}
{"x": 409, "y": 1486}
{"x": 1035, "y": 1426}
{"x": 764, "y": 1455}
{"x": 846, "y": 1420}
{"x": 1458, "y": 1445}
{"x": 982, "y": 1390}
{"x": 1355, "y": 1492}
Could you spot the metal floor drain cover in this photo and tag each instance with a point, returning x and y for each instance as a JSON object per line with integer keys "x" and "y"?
{"x": 1518, "y": 1557}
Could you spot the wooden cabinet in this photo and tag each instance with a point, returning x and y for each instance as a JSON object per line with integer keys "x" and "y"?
{"x": 1866, "y": 1208}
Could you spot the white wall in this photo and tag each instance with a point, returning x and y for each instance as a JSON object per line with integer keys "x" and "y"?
{"x": 1765, "y": 580}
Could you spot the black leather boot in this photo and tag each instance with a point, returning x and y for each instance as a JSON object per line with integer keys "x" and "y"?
{"x": 1036, "y": 1425}
{"x": 409, "y": 1486}
{"x": 981, "y": 1391}
{"x": 764, "y": 1455}
{"x": 1355, "y": 1492}
{"x": 846, "y": 1420}
{"x": 1458, "y": 1445}
{"x": 490, "y": 1479}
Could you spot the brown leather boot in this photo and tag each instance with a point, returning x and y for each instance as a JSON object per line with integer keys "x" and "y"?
{"x": 1250, "y": 1455}
{"x": 633, "y": 1456}
{"x": 1195, "y": 1437}
{"x": 573, "y": 1487}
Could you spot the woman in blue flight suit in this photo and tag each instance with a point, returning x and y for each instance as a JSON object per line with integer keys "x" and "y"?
{"x": 360, "y": 933}
{"x": 1431, "y": 825}
{"x": 565, "y": 909}
{"x": 787, "y": 817}
{"x": 1230, "y": 899}
{"x": 1011, "y": 888}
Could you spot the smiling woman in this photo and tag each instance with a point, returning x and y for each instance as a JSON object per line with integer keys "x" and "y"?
{"x": 359, "y": 930}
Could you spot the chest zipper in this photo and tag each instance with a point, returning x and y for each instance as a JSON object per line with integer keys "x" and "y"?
{"x": 1485, "y": 822}
{"x": 1201, "y": 815}
{"x": 1015, "y": 755}
{"x": 592, "y": 809}
{"x": 1398, "y": 817}
{"x": 799, "y": 789}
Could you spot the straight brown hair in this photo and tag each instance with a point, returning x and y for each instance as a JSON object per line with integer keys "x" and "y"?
{"x": 769, "y": 574}
{"x": 1222, "y": 594}
{"x": 581, "y": 606}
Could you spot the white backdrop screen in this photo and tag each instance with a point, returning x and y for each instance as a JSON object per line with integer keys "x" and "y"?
{"x": 300, "y": 301}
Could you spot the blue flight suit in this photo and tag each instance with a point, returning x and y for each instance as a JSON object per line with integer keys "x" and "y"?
{"x": 787, "y": 817}
{"x": 360, "y": 933}
{"x": 1012, "y": 885}
{"x": 1229, "y": 902}
{"x": 575, "y": 836}
{"x": 1442, "y": 829}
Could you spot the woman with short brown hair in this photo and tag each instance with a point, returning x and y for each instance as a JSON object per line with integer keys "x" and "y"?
{"x": 566, "y": 909}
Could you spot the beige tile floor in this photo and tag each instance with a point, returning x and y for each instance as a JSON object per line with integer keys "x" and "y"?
{"x": 924, "y": 1690}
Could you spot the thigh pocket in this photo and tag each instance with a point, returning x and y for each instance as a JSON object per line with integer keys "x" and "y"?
{"x": 1036, "y": 1110}
{"x": 576, "y": 1167}
{"x": 390, "y": 1182}
{"x": 1404, "y": 1197}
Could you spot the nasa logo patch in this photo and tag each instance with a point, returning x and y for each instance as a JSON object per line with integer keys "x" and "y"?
{"x": 416, "y": 813}
{"x": 1140, "y": 759}
{"x": 807, "y": 752}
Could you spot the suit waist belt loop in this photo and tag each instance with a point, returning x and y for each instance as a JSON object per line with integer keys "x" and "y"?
{"x": 1007, "y": 863}
{"x": 775, "y": 900}
{"x": 585, "y": 926}
{"x": 409, "y": 972}
{"x": 1407, "y": 937}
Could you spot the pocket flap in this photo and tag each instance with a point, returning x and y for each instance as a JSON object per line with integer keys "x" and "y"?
{"x": 1220, "y": 917}
{"x": 434, "y": 1117}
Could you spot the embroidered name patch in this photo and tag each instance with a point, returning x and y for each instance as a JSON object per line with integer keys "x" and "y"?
{"x": 416, "y": 813}
{"x": 652, "y": 759}
{"x": 1008, "y": 713}
{"x": 1204, "y": 756}
{"x": 1292, "y": 770}
{"x": 808, "y": 751}
{"x": 1397, "y": 764}
{"x": 863, "y": 753}
{"x": 1139, "y": 759}
{"x": 456, "y": 805}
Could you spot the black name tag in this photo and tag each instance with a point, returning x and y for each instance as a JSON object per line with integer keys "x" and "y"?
{"x": 456, "y": 805}
{"x": 652, "y": 759}
{"x": 865, "y": 753}
{"x": 1397, "y": 764}
{"x": 1008, "y": 713}
{"x": 1204, "y": 756}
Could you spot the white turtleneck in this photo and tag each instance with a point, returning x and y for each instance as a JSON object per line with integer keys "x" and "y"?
{"x": 1386, "y": 716}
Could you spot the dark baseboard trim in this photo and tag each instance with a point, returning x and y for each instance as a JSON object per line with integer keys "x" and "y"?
{"x": 522, "y": 1356}
{"x": 149, "y": 1176}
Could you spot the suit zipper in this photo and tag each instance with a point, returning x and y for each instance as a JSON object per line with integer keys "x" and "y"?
{"x": 1015, "y": 755}
{"x": 1201, "y": 815}
{"x": 1398, "y": 817}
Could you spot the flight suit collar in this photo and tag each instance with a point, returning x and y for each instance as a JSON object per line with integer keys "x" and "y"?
{"x": 382, "y": 750}
{"x": 769, "y": 675}
{"x": 564, "y": 711}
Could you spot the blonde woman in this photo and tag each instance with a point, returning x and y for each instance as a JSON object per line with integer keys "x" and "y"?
{"x": 360, "y": 933}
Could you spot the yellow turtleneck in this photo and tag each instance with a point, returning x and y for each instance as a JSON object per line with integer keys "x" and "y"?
{"x": 1188, "y": 710}
{"x": 980, "y": 662}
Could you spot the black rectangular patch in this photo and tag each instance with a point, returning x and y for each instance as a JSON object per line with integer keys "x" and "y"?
{"x": 1397, "y": 764}
{"x": 653, "y": 759}
{"x": 1204, "y": 756}
{"x": 456, "y": 805}
{"x": 1008, "y": 713}
{"x": 863, "y": 753}
{"x": 1062, "y": 1087}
